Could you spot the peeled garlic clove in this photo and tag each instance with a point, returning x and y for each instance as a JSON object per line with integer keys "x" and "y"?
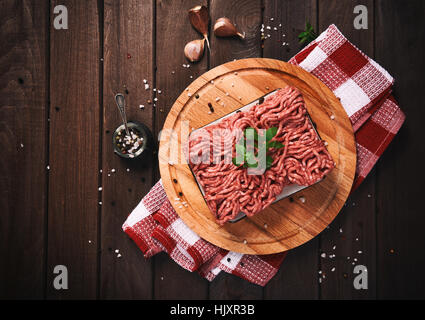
{"x": 194, "y": 50}
{"x": 223, "y": 27}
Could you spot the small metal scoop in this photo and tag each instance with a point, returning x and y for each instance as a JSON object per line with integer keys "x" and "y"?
{"x": 120, "y": 101}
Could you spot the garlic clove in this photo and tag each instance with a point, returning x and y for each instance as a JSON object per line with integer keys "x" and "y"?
{"x": 199, "y": 19}
{"x": 223, "y": 27}
{"x": 194, "y": 50}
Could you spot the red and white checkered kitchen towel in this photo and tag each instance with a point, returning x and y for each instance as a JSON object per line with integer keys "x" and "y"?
{"x": 364, "y": 88}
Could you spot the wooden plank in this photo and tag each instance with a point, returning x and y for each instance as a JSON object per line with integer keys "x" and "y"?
{"x": 173, "y": 31}
{"x": 247, "y": 15}
{"x": 289, "y": 18}
{"x": 74, "y": 151}
{"x": 400, "y": 219}
{"x": 128, "y": 59}
{"x": 357, "y": 220}
{"x": 297, "y": 278}
{"x": 23, "y": 128}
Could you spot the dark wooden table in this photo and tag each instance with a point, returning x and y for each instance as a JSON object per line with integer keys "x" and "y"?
{"x": 57, "y": 115}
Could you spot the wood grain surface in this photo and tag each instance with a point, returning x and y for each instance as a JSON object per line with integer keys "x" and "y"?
{"x": 289, "y": 224}
{"x": 48, "y": 217}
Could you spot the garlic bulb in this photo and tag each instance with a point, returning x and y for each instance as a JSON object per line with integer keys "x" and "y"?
{"x": 223, "y": 27}
{"x": 194, "y": 50}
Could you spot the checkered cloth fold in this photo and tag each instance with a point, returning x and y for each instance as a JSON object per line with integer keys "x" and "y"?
{"x": 364, "y": 89}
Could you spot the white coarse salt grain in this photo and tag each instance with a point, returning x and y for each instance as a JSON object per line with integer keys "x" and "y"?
{"x": 320, "y": 280}
{"x": 100, "y": 203}
{"x": 340, "y": 230}
{"x": 154, "y": 89}
{"x": 100, "y": 188}
{"x": 177, "y": 199}
{"x": 217, "y": 99}
{"x": 323, "y": 255}
{"x": 141, "y": 106}
{"x": 333, "y": 269}
{"x": 171, "y": 163}
{"x": 275, "y": 29}
{"x": 212, "y": 81}
{"x": 180, "y": 207}
{"x": 189, "y": 94}
{"x": 48, "y": 167}
{"x": 119, "y": 255}
{"x": 357, "y": 239}
{"x": 265, "y": 226}
{"x": 359, "y": 252}
{"x": 117, "y": 251}
{"x": 332, "y": 117}
{"x": 128, "y": 170}
{"x": 146, "y": 86}
{"x": 209, "y": 112}
{"x": 268, "y": 28}
{"x": 245, "y": 242}
{"x": 113, "y": 170}
{"x": 159, "y": 91}
{"x": 89, "y": 241}
{"x": 22, "y": 145}
{"x": 145, "y": 81}
{"x": 320, "y": 271}
{"x": 302, "y": 199}
{"x": 334, "y": 247}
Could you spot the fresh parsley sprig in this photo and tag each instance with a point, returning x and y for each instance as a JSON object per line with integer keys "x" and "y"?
{"x": 248, "y": 157}
{"x": 308, "y": 35}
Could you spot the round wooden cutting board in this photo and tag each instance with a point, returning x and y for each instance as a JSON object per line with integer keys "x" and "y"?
{"x": 287, "y": 223}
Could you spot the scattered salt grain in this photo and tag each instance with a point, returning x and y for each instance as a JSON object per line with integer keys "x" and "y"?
{"x": 217, "y": 99}
{"x": 145, "y": 81}
{"x": 119, "y": 255}
{"x": 113, "y": 170}
{"x": 159, "y": 91}
{"x": 128, "y": 170}
{"x": 141, "y": 106}
{"x": 100, "y": 188}
{"x": 332, "y": 117}
{"x": 265, "y": 226}
{"x": 22, "y": 145}
{"x": 117, "y": 251}
{"x": 302, "y": 199}
{"x": 359, "y": 252}
{"x": 268, "y": 28}
{"x": 340, "y": 230}
{"x": 333, "y": 269}
{"x": 171, "y": 163}
{"x": 89, "y": 241}
{"x": 177, "y": 199}
{"x": 334, "y": 247}
{"x": 323, "y": 255}
{"x": 189, "y": 94}
{"x": 48, "y": 167}
{"x": 100, "y": 203}
{"x": 245, "y": 242}
{"x": 212, "y": 81}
